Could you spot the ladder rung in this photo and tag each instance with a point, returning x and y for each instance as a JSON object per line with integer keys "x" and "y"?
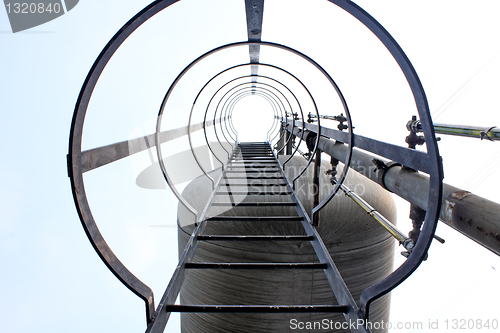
{"x": 272, "y": 177}
{"x": 254, "y": 204}
{"x": 230, "y": 265}
{"x": 254, "y": 171}
{"x": 248, "y": 184}
{"x": 255, "y": 238}
{"x": 255, "y": 218}
{"x": 253, "y": 193}
{"x": 252, "y": 156}
{"x": 253, "y": 151}
{"x": 258, "y": 308}
{"x": 254, "y": 162}
{"x": 255, "y": 159}
{"x": 252, "y": 167}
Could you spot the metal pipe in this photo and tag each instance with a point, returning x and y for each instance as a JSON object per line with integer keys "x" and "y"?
{"x": 391, "y": 228}
{"x": 313, "y": 116}
{"x": 472, "y": 215}
{"x": 489, "y": 133}
{"x": 317, "y": 170}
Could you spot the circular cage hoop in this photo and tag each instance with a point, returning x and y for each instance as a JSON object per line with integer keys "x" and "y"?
{"x": 252, "y": 91}
{"x": 370, "y": 294}
{"x": 282, "y": 70}
{"x": 435, "y": 164}
{"x": 315, "y": 150}
{"x": 230, "y": 98}
{"x": 270, "y": 97}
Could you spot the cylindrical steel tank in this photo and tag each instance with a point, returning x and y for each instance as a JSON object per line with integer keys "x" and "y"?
{"x": 362, "y": 250}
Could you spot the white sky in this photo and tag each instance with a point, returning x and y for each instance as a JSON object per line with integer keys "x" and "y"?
{"x": 52, "y": 279}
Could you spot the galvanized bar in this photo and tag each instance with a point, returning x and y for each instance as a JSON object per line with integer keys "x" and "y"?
{"x": 272, "y": 177}
{"x": 316, "y": 186}
{"x": 258, "y": 308}
{"x": 259, "y": 266}
{"x": 254, "y": 159}
{"x": 253, "y": 171}
{"x": 339, "y": 288}
{"x": 313, "y": 116}
{"x": 491, "y": 133}
{"x": 255, "y": 185}
{"x": 254, "y": 13}
{"x": 251, "y": 162}
{"x": 391, "y": 228}
{"x": 254, "y": 204}
{"x": 255, "y": 218}
{"x": 254, "y": 168}
{"x": 254, "y": 193}
{"x": 255, "y": 238}
{"x": 174, "y": 286}
{"x": 411, "y": 158}
{"x": 94, "y": 158}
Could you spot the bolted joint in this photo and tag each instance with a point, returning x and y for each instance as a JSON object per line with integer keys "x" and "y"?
{"x": 342, "y": 126}
{"x": 414, "y": 125}
{"x": 413, "y": 139}
{"x": 417, "y": 213}
{"x": 409, "y": 246}
{"x": 333, "y": 172}
{"x": 310, "y": 118}
{"x": 341, "y": 119}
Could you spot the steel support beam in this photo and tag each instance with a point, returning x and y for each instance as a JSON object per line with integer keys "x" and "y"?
{"x": 255, "y": 12}
{"x": 472, "y": 215}
{"x": 98, "y": 157}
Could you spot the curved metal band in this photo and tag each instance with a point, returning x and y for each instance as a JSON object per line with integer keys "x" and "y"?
{"x": 271, "y": 129}
{"x": 281, "y": 110}
{"x": 274, "y": 105}
{"x": 245, "y": 83}
{"x": 265, "y": 65}
{"x": 187, "y": 68}
{"x": 243, "y": 90}
{"x": 259, "y": 83}
{"x": 235, "y": 98}
{"x": 369, "y": 294}
{"x": 75, "y": 151}
{"x": 436, "y": 174}
{"x": 347, "y": 160}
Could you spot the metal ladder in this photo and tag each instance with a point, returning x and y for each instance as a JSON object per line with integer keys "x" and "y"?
{"x": 256, "y": 161}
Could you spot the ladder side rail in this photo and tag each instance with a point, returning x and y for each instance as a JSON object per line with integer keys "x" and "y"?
{"x": 339, "y": 288}
{"x": 161, "y": 316}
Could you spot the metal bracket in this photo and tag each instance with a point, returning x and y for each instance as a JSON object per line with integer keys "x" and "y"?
{"x": 382, "y": 169}
{"x": 484, "y": 134}
{"x": 413, "y": 139}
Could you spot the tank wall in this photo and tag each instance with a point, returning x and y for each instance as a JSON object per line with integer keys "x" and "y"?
{"x": 362, "y": 250}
